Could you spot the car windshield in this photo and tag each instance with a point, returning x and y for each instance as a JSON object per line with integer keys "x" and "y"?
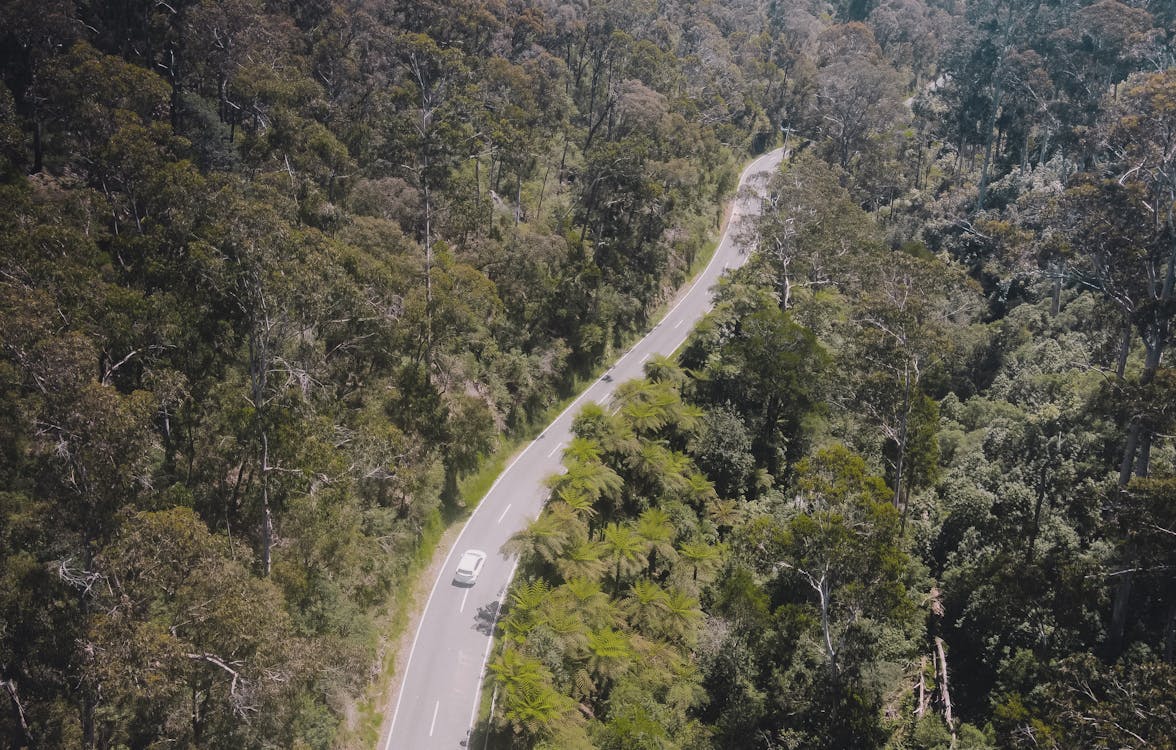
{"x": 468, "y": 562}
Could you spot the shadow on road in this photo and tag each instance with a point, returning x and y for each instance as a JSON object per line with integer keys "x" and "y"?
{"x": 484, "y": 619}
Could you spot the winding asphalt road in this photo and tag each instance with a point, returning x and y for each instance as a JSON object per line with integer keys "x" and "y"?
{"x": 438, "y": 699}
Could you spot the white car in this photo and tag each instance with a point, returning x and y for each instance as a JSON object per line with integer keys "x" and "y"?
{"x": 469, "y": 567}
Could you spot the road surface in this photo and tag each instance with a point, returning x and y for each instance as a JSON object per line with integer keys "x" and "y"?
{"x": 438, "y": 698}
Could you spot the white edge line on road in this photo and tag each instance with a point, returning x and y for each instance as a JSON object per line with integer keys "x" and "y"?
{"x": 683, "y": 295}
{"x": 747, "y": 172}
{"x": 445, "y": 565}
{"x": 504, "y": 510}
{"x": 489, "y": 643}
{"x": 561, "y": 415}
{"x": 514, "y": 567}
{"x": 433, "y": 726}
{"x": 493, "y": 699}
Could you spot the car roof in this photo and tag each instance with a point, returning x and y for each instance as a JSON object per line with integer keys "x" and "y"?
{"x": 470, "y": 555}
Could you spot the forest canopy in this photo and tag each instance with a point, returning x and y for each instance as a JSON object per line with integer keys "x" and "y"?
{"x": 275, "y": 277}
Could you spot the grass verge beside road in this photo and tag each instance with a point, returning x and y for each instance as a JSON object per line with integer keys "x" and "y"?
{"x": 364, "y": 728}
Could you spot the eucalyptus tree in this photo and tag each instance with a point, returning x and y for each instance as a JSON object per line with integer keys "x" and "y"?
{"x": 904, "y": 326}
{"x": 977, "y": 80}
{"x": 810, "y": 232}
{"x": 426, "y": 125}
{"x": 1147, "y": 524}
{"x": 858, "y": 106}
{"x": 1117, "y": 239}
{"x": 722, "y": 450}
{"x": 769, "y": 368}
{"x": 1142, "y": 136}
{"x": 181, "y": 618}
{"x": 1105, "y": 229}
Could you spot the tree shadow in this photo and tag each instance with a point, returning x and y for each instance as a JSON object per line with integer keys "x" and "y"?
{"x": 486, "y": 617}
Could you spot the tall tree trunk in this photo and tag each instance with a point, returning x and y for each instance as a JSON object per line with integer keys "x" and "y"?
{"x": 428, "y": 264}
{"x": 921, "y": 701}
{"x": 588, "y": 213}
{"x": 918, "y": 164}
{"x": 904, "y": 421}
{"x": 542, "y": 190}
{"x": 989, "y": 137}
{"x": 518, "y": 197}
{"x": 1119, "y": 611}
{"x": 177, "y": 86}
{"x": 1139, "y": 435}
{"x": 944, "y": 693}
{"x": 959, "y": 161}
{"x": 258, "y": 369}
{"x": 38, "y": 145}
{"x": 825, "y": 594}
{"x": 1124, "y": 346}
{"x": 1143, "y": 462}
{"x": 267, "y": 521}
{"x": 1156, "y": 346}
{"x": 9, "y": 686}
{"x": 89, "y": 738}
{"x": 563, "y": 158}
{"x": 1122, "y": 595}
{"x": 1170, "y": 627}
{"x": 1128, "y": 460}
{"x": 478, "y": 178}
{"x": 1037, "y": 505}
{"x": 786, "y": 291}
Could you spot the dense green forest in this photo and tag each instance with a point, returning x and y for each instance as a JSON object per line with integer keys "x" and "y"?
{"x": 275, "y": 276}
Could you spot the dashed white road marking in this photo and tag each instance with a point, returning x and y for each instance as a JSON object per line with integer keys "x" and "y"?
{"x": 463, "y": 601}
{"x": 553, "y": 450}
{"x": 588, "y": 395}
{"x": 504, "y": 510}
{"x": 486, "y": 653}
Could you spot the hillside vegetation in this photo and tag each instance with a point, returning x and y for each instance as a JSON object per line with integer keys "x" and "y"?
{"x": 274, "y": 277}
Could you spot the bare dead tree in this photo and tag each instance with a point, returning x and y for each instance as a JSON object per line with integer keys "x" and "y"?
{"x": 9, "y": 686}
{"x": 944, "y": 692}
